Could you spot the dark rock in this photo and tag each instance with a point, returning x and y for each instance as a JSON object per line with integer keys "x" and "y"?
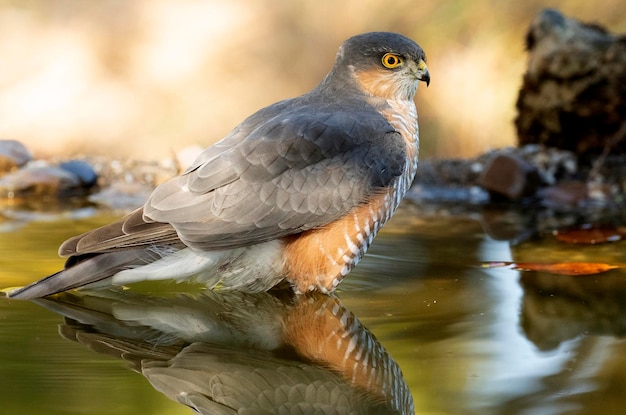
{"x": 81, "y": 169}
{"x": 552, "y": 164}
{"x": 549, "y": 177}
{"x": 573, "y": 95}
{"x": 510, "y": 176}
{"x": 13, "y": 155}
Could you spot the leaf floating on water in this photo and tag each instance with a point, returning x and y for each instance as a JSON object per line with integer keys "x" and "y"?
{"x": 590, "y": 234}
{"x": 561, "y": 268}
{"x": 566, "y": 268}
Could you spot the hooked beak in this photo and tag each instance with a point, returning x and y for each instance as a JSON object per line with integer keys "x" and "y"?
{"x": 423, "y": 74}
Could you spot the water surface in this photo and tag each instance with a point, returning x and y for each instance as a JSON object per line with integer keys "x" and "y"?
{"x": 469, "y": 340}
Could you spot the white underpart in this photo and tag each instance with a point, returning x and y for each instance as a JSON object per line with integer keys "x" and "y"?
{"x": 202, "y": 321}
{"x": 254, "y": 268}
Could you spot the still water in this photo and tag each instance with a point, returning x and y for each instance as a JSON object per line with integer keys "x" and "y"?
{"x": 468, "y": 340}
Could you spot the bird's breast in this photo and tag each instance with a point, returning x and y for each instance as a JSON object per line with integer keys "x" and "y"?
{"x": 402, "y": 115}
{"x": 320, "y": 258}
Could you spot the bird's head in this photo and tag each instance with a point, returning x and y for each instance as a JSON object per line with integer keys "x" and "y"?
{"x": 383, "y": 64}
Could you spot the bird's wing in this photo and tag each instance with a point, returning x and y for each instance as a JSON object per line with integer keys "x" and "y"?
{"x": 280, "y": 172}
{"x": 131, "y": 231}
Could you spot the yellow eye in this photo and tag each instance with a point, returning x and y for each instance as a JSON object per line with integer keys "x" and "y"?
{"x": 391, "y": 60}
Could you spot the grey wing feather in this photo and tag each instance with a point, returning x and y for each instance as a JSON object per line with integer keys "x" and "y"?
{"x": 129, "y": 232}
{"x": 292, "y": 166}
{"x": 287, "y": 173}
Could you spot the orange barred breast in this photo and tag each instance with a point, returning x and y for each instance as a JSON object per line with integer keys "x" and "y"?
{"x": 320, "y": 258}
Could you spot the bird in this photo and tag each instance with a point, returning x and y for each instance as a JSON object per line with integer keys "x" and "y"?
{"x": 294, "y": 195}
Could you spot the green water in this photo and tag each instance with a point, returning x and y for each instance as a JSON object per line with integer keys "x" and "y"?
{"x": 468, "y": 340}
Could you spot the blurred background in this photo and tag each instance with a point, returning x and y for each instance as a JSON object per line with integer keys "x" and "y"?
{"x": 143, "y": 79}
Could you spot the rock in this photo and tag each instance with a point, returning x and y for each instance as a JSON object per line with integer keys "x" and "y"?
{"x": 81, "y": 169}
{"x": 39, "y": 179}
{"x": 552, "y": 164}
{"x": 448, "y": 172}
{"x": 510, "y": 176}
{"x": 13, "y": 155}
{"x": 147, "y": 172}
{"x": 573, "y": 95}
{"x": 122, "y": 196}
{"x": 573, "y": 193}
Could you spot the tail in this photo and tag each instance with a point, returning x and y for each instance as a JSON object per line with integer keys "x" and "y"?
{"x": 91, "y": 271}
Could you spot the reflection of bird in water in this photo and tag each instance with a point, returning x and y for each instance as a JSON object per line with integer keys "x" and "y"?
{"x": 297, "y": 191}
{"x": 223, "y": 352}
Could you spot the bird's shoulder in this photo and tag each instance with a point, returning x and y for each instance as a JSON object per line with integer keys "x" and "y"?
{"x": 295, "y": 133}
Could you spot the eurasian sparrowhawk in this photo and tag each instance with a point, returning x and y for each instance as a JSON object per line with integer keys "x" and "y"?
{"x": 296, "y": 192}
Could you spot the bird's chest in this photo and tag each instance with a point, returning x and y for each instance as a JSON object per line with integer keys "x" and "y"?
{"x": 402, "y": 115}
{"x": 320, "y": 258}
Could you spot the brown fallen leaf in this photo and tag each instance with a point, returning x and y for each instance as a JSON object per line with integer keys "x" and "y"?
{"x": 565, "y": 268}
{"x": 590, "y": 234}
{"x": 561, "y": 268}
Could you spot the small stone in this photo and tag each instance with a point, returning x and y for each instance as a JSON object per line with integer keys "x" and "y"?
{"x": 82, "y": 170}
{"x": 38, "y": 180}
{"x": 13, "y": 155}
{"x": 122, "y": 196}
{"x": 565, "y": 193}
{"x": 509, "y": 176}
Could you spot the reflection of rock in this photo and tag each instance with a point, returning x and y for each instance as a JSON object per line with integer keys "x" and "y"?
{"x": 573, "y": 95}
{"x": 508, "y": 224}
{"x": 557, "y": 308}
{"x": 221, "y": 352}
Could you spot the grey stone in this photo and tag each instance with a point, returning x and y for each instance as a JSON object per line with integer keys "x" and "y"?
{"x": 13, "y": 155}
